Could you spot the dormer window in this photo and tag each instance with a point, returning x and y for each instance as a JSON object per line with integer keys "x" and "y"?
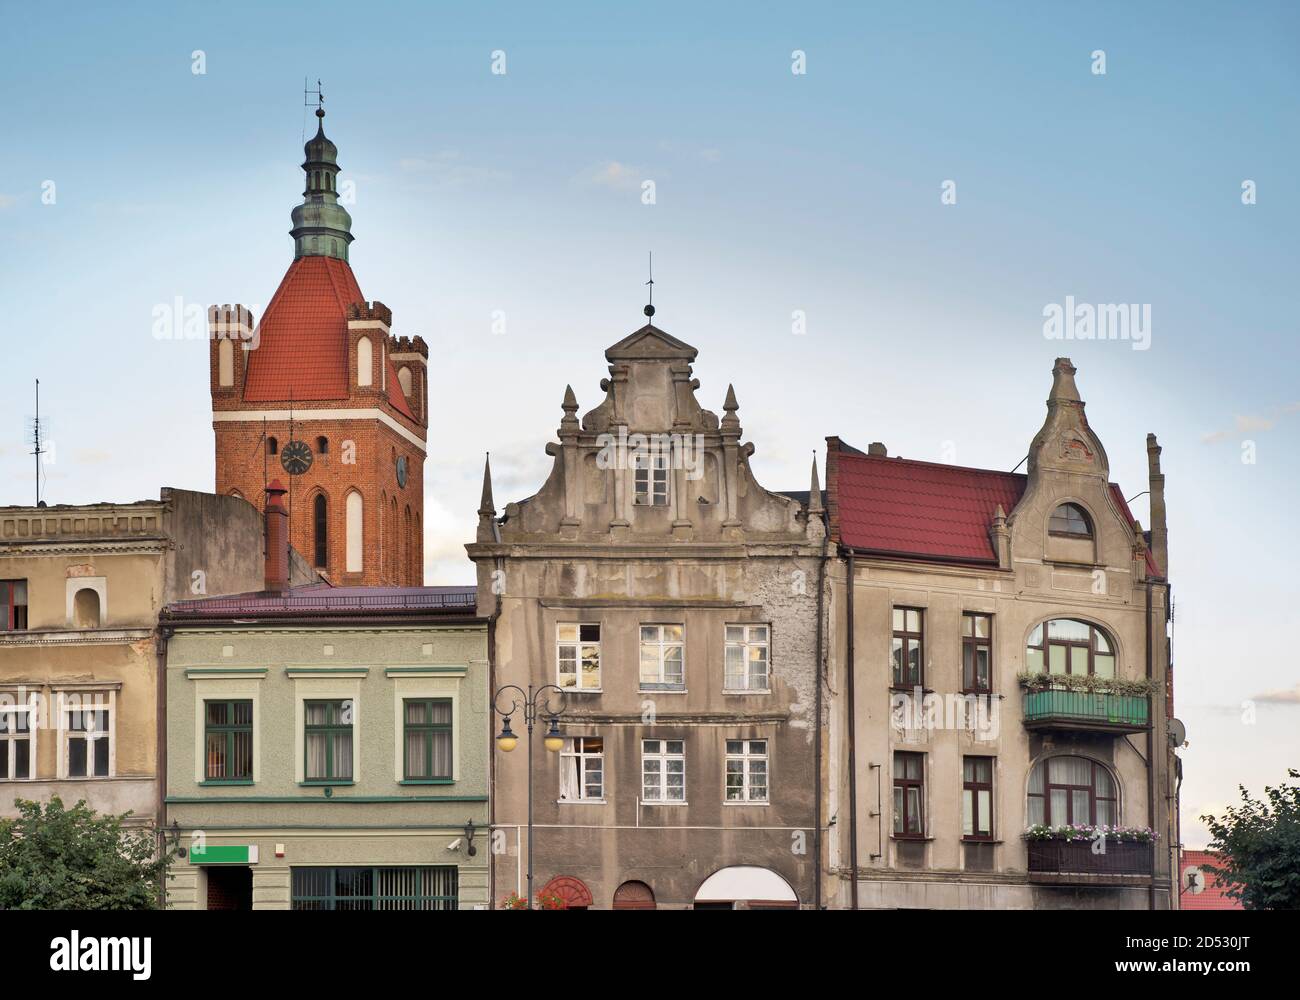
{"x": 650, "y": 480}
{"x": 1070, "y": 519}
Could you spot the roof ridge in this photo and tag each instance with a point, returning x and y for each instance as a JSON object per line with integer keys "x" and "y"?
{"x": 933, "y": 465}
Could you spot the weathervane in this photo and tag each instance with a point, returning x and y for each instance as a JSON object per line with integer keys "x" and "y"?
{"x": 649, "y": 310}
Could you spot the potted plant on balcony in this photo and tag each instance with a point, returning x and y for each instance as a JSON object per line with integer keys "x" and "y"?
{"x": 1104, "y": 849}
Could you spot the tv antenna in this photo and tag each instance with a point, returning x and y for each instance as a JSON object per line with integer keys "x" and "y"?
{"x": 307, "y": 101}
{"x": 34, "y": 439}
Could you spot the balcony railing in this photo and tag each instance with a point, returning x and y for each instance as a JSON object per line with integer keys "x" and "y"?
{"x": 1086, "y": 710}
{"x": 1074, "y": 861}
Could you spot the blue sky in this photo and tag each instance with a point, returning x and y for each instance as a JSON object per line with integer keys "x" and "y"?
{"x": 775, "y": 193}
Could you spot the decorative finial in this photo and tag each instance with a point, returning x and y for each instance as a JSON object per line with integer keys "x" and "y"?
{"x": 815, "y": 490}
{"x": 649, "y": 310}
{"x": 486, "y": 507}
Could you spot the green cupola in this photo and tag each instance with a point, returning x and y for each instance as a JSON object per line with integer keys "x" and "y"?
{"x": 321, "y": 226}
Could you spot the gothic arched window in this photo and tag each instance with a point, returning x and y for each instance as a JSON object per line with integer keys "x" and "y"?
{"x": 320, "y": 530}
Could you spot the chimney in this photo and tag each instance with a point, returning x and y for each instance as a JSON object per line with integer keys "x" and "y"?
{"x": 1159, "y": 530}
{"x": 277, "y": 540}
{"x": 877, "y": 448}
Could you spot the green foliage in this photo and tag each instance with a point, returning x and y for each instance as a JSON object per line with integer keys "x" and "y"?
{"x": 53, "y": 858}
{"x": 1259, "y": 844}
{"x": 1087, "y": 682}
{"x": 1082, "y": 831}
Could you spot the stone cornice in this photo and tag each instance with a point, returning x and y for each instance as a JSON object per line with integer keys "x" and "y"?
{"x": 74, "y": 637}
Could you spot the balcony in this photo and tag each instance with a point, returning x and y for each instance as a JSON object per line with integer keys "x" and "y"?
{"x": 1086, "y": 710}
{"x": 1073, "y": 862}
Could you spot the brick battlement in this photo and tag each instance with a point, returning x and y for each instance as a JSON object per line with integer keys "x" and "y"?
{"x": 227, "y": 316}
{"x": 376, "y": 311}
{"x": 408, "y": 345}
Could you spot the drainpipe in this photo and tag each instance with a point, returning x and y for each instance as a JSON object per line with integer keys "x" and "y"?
{"x": 853, "y": 766}
{"x": 491, "y": 745}
{"x": 817, "y": 770}
{"x": 160, "y": 762}
{"x": 1151, "y": 786}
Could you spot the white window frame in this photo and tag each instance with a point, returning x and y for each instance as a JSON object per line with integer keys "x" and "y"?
{"x": 570, "y": 750}
{"x": 662, "y": 755}
{"x": 659, "y": 644}
{"x": 576, "y": 645}
{"x": 650, "y": 479}
{"x": 747, "y": 755}
{"x": 99, "y": 701}
{"x": 9, "y": 734}
{"x": 745, "y": 642}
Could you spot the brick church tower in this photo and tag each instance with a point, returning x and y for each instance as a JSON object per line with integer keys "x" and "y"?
{"x": 322, "y": 396}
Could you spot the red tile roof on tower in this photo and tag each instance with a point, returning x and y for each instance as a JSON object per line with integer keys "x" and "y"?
{"x": 303, "y": 338}
{"x": 1213, "y": 896}
{"x": 923, "y": 510}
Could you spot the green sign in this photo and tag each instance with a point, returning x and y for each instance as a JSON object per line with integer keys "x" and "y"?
{"x": 214, "y": 854}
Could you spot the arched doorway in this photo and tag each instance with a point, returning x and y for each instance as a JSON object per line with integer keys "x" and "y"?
{"x": 634, "y": 896}
{"x": 745, "y": 887}
{"x": 575, "y": 894}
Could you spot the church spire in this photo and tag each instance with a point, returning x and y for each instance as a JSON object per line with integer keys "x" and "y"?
{"x": 321, "y": 226}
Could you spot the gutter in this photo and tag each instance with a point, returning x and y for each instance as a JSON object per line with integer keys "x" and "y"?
{"x": 817, "y": 769}
{"x": 853, "y": 766}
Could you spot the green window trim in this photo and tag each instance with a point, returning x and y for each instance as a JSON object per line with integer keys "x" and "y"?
{"x": 227, "y": 736}
{"x": 329, "y": 729}
{"x": 428, "y": 732}
{"x": 427, "y": 781}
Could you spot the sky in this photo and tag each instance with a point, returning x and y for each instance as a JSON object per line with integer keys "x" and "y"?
{"x": 865, "y": 248}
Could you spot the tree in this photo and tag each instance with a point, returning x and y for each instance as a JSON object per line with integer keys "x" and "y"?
{"x": 1259, "y": 843}
{"x": 53, "y": 858}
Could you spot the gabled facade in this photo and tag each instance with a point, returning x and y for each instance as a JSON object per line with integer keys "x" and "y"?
{"x": 674, "y": 601}
{"x": 1001, "y": 662}
{"x": 321, "y": 394}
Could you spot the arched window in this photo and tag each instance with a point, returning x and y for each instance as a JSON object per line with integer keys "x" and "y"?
{"x": 408, "y": 547}
{"x": 322, "y": 446}
{"x": 634, "y": 896}
{"x": 1067, "y": 646}
{"x": 404, "y": 380}
{"x": 1071, "y": 790}
{"x": 320, "y": 530}
{"x": 85, "y": 608}
{"x": 355, "y": 561}
{"x": 272, "y": 446}
{"x": 1070, "y": 519}
{"x": 225, "y": 362}
{"x": 365, "y": 362}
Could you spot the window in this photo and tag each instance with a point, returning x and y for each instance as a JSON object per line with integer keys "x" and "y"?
{"x": 746, "y": 658}
{"x": 1066, "y": 646}
{"x": 663, "y": 771}
{"x": 582, "y": 769}
{"x": 663, "y": 663}
{"x": 977, "y": 798}
{"x": 746, "y": 771}
{"x": 650, "y": 479}
{"x": 228, "y": 735}
{"x": 1070, "y": 519}
{"x": 908, "y": 645}
{"x": 328, "y": 740}
{"x": 428, "y": 739}
{"x": 13, "y": 605}
{"x": 1065, "y": 790}
{"x": 577, "y": 656}
{"x": 17, "y": 742}
{"x": 322, "y": 446}
{"x": 430, "y": 888}
{"x": 976, "y": 653}
{"x": 87, "y": 736}
{"x": 365, "y": 362}
{"x": 909, "y": 794}
{"x": 355, "y": 560}
{"x": 320, "y": 530}
{"x": 272, "y": 446}
{"x": 85, "y": 608}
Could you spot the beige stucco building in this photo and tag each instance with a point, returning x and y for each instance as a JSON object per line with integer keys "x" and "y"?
{"x": 81, "y": 587}
{"x": 1000, "y": 660}
{"x": 674, "y": 601}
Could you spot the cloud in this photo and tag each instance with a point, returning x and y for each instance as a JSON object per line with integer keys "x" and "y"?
{"x": 1251, "y": 423}
{"x": 1290, "y": 696}
{"x": 612, "y": 175}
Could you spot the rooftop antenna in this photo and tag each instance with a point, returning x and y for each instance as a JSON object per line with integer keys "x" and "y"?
{"x": 34, "y": 437}
{"x": 307, "y": 102}
{"x": 649, "y": 310}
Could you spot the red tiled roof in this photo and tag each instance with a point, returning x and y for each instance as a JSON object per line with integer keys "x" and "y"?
{"x": 1213, "y": 896}
{"x": 923, "y": 510}
{"x": 896, "y": 506}
{"x": 303, "y": 336}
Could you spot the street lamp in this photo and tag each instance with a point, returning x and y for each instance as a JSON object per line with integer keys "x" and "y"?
{"x": 530, "y": 701}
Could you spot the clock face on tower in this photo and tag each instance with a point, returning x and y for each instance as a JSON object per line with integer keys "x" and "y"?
{"x": 295, "y": 457}
{"x": 401, "y": 471}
